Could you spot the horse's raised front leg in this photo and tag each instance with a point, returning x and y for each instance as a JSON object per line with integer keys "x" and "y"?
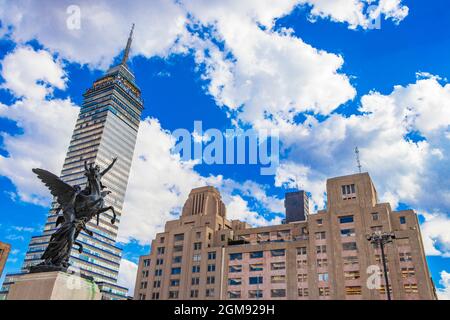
{"x": 113, "y": 220}
{"x": 80, "y": 247}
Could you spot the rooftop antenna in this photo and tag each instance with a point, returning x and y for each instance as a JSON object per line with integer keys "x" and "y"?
{"x": 127, "y": 48}
{"x": 358, "y": 162}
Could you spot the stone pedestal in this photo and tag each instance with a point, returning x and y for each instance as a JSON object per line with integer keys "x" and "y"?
{"x": 53, "y": 286}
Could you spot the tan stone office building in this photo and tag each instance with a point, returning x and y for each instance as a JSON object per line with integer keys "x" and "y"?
{"x": 326, "y": 255}
{"x": 4, "y": 252}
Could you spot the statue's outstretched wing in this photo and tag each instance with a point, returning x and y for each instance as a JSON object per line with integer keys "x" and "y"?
{"x": 62, "y": 191}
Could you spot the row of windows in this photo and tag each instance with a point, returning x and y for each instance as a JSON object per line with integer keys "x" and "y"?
{"x": 258, "y": 254}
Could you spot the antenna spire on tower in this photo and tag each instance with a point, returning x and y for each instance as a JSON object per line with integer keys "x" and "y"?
{"x": 127, "y": 49}
{"x": 358, "y": 162}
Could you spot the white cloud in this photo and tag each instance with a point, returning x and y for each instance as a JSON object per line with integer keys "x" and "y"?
{"x": 435, "y": 234}
{"x": 44, "y": 123}
{"x": 357, "y": 13}
{"x": 444, "y": 293}
{"x": 32, "y": 74}
{"x": 104, "y": 27}
{"x": 127, "y": 275}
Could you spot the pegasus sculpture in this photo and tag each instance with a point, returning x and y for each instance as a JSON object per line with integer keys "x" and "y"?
{"x": 78, "y": 208}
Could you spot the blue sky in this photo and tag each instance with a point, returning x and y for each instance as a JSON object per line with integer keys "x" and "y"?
{"x": 329, "y": 82}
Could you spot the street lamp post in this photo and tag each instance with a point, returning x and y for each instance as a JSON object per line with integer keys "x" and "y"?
{"x": 380, "y": 240}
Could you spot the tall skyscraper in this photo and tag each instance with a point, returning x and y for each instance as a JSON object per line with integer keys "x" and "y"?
{"x": 203, "y": 255}
{"x": 106, "y": 127}
{"x": 4, "y": 251}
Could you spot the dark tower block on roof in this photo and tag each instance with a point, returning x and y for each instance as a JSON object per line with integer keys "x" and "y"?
{"x": 297, "y": 206}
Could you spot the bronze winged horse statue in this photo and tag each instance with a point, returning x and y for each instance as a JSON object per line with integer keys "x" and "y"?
{"x": 78, "y": 208}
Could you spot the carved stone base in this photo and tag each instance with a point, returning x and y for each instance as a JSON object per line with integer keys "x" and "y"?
{"x": 53, "y": 286}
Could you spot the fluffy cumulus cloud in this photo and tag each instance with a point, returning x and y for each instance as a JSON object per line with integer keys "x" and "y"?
{"x": 45, "y": 132}
{"x": 358, "y": 13}
{"x": 435, "y": 233}
{"x": 444, "y": 292}
{"x": 127, "y": 275}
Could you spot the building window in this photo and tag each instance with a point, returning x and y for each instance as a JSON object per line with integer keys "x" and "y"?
{"x": 234, "y": 294}
{"x": 277, "y": 253}
{"x": 197, "y": 246}
{"x": 324, "y": 291}
{"x": 302, "y": 263}
{"x": 145, "y": 274}
{"x": 353, "y": 290}
{"x": 402, "y": 220}
{"x": 348, "y": 191}
{"x": 302, "y": 292}
{"x": 177, "y": 259}
{"x": 301, "y": 251}
{"x": 350, "y": 260}
{"x": 178, "y": 237}
{"x": 194, "y": 293}
{"x": 212, "y": 255}
{"x": 174, "y": 282}
{"x": 197, "y": 257}
{"x": 157, "y": 284}
{"x": 144, "y": 285}
{"x": 141, "y": 296}
{"x": 177, "y": 248}
{"x": 234, "y": 269}
{"x": 211, "y": 267}
{"x": 319, "y": 222}
{"x": 405, "y": 256}
{"x": 278, "y": 293}
{"x": 210, "y": 292}
{"x": 210, "y": 280}
{"x": 158, "y": 272}
{"x": 256, "y": 267}
{"x": 410, "y": 288}
{"x": 322, "y": 276}
{"x": 322, "y": 263}
{"x": 195, "y": 269}
{"x": 195, "y": 281}
{"x": 222, "y": 237}
{"x": 351, "y": 275}
{"x": 408, "y": 272}
{"x": 255, "y": 280}
{"x": 278, "y": 279}
{"x": 346, "y": 219}
{"x": 321, "y": 235}
{"x": 198, "y": 235}
{"x": 146, "y": 262}
{"x": 235, "y": 281}
{"x": 173, "y": 294}
{"x": 302, "y": 277}
{"x": 161, "y": 250}
{"x": 255, "y": 294}
{"x": 235, "y": 256}
{"x": 256, "y": 254}
{"x": 321, "y": 249}
{"x": 155, "y": 295}
{"x": 348, "y": 232}
{"x": 159, "y": 262}
{"x": 176, "y": 271}
{"x": 375, "y": 216}
{"x": 349, "y": 246}
{"x": 278, "y": 265}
